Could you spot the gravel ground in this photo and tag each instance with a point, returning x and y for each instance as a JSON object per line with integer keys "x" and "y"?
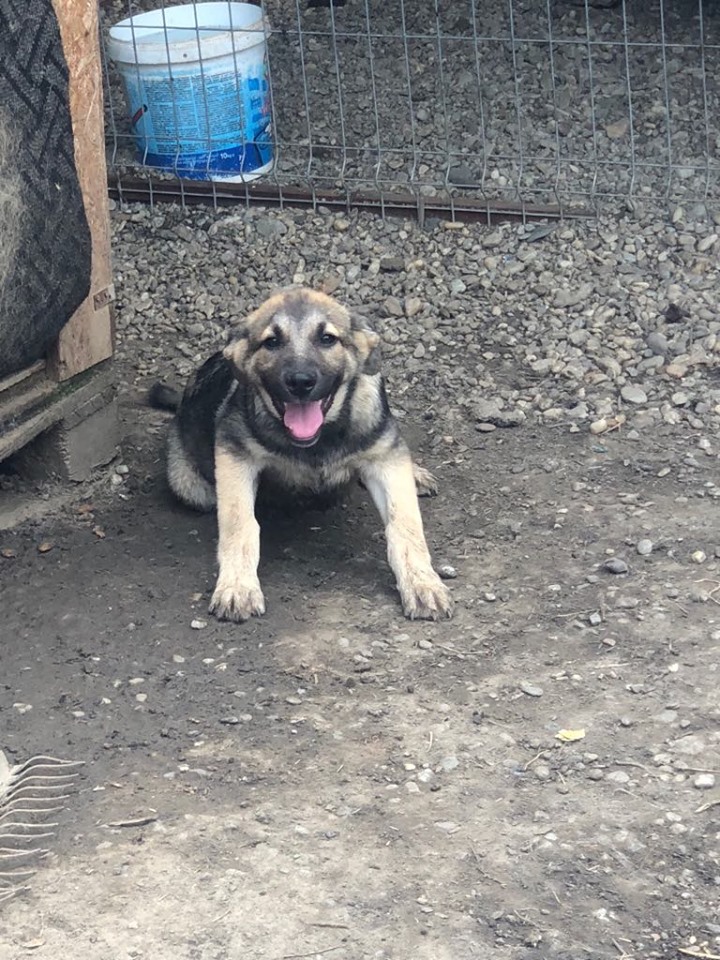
{"x": 388, "y": 94}
{"x": 589, "y": 325}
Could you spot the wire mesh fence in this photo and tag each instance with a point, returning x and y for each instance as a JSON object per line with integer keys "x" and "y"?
{"x": 531, "y": 105}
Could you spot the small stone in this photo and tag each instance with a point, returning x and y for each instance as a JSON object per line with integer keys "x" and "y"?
{"x": 198, "y": 624}
{"x": 707, "y": 242}
{"x": 177, "y": 658}
{"x": 541, "y": 771}
{"x": 425, "y": 644}
{"x": 392, "y": 264}
{"x": 618, "y": 776}
{"x": 393, "y": 307}
{"x": 699, "y": 556}
{"x": 599, "y": 426}
{"x": 230, "y": 721}
{"x": 449, "y": 826}
{"x": 691, "y": 745}
{"x": 413, "y": 305}
{"x": 680, "y": 398}
{"x": 449, "y": 763}
{"x": 704, "y": 781}
{"x": 141, "y": 697}
{"x": 615, "y": 565}
{"x": 632, "y": 394}
{"x": 657, "y": 343}
{"x": 644, "y": 547}
{"x": 447, "y": 572}
{"x": 462, "y": 176}
{"x": 531, "y": 690}
{"x": 595, "y": 619}
{"x": 617, "y": 130}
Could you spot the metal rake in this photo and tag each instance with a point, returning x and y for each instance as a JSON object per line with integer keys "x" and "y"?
{"x": 30, "y": 794}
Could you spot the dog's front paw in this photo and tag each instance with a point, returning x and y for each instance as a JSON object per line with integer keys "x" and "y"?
{"x": 426, "y": 484}
{"x": 425, "y": 597}
{"x": 237, "y": 601}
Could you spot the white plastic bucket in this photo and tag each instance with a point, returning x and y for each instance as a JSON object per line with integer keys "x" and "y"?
{"x": 196, "y": 83}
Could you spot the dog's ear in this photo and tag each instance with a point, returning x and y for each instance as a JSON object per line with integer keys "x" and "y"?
{"x": 367, "y": 344}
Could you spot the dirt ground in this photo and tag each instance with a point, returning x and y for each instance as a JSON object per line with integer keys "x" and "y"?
{"x": 333, "y": 781}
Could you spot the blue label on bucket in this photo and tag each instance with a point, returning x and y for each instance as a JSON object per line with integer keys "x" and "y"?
{"x": 199, "y": 125}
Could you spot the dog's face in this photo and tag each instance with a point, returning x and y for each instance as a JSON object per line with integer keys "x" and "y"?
{"x": 299, "y": 351}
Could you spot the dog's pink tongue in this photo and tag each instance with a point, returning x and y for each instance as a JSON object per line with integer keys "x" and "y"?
{"x": 303, "y": 420}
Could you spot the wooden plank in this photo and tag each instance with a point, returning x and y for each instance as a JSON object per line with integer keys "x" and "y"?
{"x": 16, "y": 378}
{"x": 25, "y": 403}
{"x": 87, "y": 338}
{"x": 69, "y": 402}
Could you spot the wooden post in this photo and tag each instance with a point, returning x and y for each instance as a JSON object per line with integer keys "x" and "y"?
{"x": 87, "y": 338}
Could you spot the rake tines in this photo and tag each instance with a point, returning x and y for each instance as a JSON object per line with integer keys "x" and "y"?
{"x": 30, "y": 793}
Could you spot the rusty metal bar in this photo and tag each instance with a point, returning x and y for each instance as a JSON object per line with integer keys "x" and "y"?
{"x": 128, "y": 189}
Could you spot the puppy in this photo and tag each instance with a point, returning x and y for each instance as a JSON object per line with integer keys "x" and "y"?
{"x": 296, "y": 396}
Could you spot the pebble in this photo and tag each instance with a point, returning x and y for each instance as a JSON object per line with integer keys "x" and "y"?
{"x": 618, "y": 776}
{"x": 707, "y": 242}
{"x": 698, "y": 556}
{"x": 198, "y": 624}
{"x": 657, "y": 343}
{"x": 531, "y": 690}
{"x": 633, "y": 394}
{"x": 615, "y": 565}
{"x": 644, "y": 547}
{"x": 447, "y": 572}
{"x": 425, "y": 644}
{"x": 704, "y": 781}
{"x": 449, "y": 763}
{"x": 691, "y": 746}
{"x": 595, "y": 619}
{"x": 461, "y": 175}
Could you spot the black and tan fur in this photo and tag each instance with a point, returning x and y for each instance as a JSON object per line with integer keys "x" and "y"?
{"x": 231, "y": 428}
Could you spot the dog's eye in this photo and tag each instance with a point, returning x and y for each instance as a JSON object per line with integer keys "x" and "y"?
{"x": 271, "y": 343}
{"x": 328, "y": 339}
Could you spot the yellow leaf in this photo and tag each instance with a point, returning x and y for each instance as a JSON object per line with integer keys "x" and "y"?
{"x": 569, "y": 736}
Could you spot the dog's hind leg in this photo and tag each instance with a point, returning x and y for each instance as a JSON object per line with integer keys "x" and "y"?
{"x": 185, "y": 480}
{"x": 237, "y": 595}
{"x": 391, "y": 483}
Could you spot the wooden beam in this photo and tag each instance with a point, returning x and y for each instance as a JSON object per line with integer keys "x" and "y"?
{"x": 87, "y": 338}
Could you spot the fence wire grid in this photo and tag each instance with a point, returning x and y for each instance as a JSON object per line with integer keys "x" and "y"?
{"x": 532, "y": 105}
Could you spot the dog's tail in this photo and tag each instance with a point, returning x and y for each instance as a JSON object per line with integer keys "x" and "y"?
{"x": 163, "y": 397}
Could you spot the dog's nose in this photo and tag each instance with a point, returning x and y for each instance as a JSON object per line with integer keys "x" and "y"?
{"x": 300, "y": 383}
